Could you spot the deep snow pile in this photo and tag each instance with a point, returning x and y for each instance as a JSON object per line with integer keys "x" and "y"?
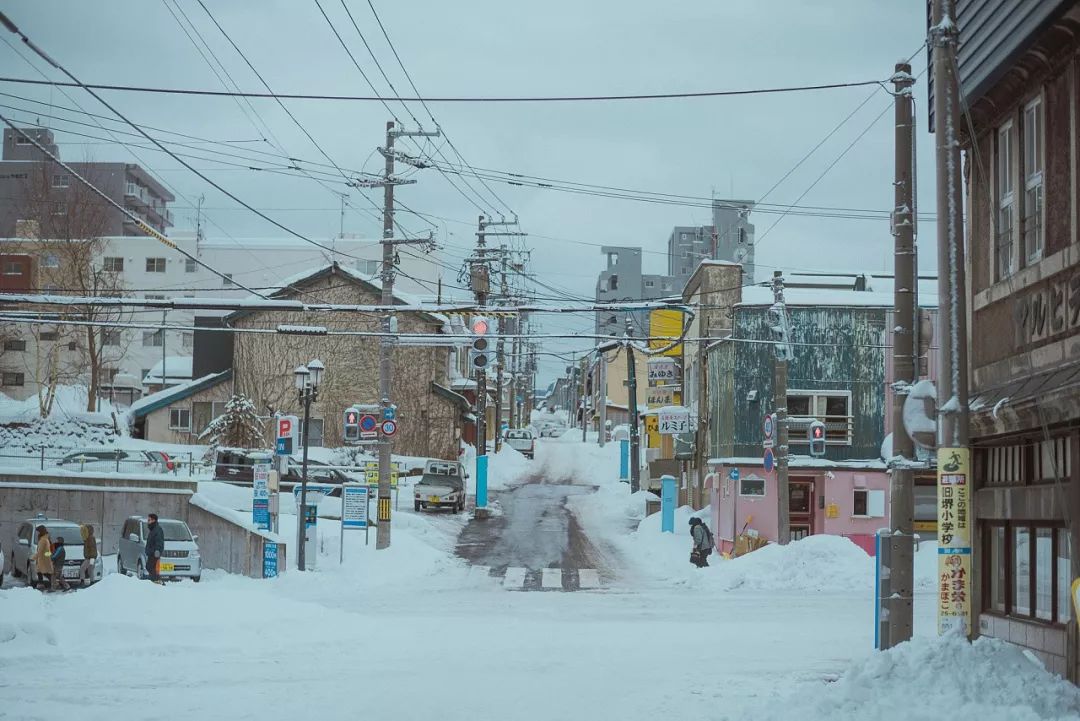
{"x": 927, "y": 678}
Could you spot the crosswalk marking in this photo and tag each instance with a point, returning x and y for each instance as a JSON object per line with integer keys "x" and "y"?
{"x": 552, "y": 578}
{"x": 588, "y": 578}
{"x": 514, "y": 577}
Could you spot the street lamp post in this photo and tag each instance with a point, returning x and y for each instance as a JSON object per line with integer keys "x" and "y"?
{"x": 308, "y": 379}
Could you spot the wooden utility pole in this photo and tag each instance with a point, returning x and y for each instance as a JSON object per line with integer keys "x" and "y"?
{"x": 631, "y": 383}
{"x": 500, "y": 357}
{"x": 389, "y": 326}
{"x": 782, "y": 354}
{"x": 904, "y": 366}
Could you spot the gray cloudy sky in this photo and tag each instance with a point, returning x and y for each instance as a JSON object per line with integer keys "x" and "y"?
{"x": 734, "y": 145}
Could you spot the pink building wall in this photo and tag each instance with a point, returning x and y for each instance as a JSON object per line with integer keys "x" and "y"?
{"x": 730, "y": 511}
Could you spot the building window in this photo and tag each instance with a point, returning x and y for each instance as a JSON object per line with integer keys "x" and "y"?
{"x": 1028, "y": 572}
{"x": 833, "y": 408}
{"x": 187, "y": 339}
{"x": 72, "y": 345}
{"x": 110, "y": 336}
{"x": 113, "y": 265}
{"x": 369, "y": 267}
{"x": 14, "y": 345}
{"x": 613, "y": 282}
{"x": 61, "y": 180}
{"x": 190, "y": 266}
{"x": 152, "y": 338}
{"x": 752, "y": 487}
{"x": 47, "y": 335}
{"x": 868, "y": 503}
{"x": 13, "y": 267}
{"x": 650, "y": 283}
{"x": 50, "y": 261}
{"x": 682, "y": 236}
{"x": 155, "y": 265}
{"x": 22, "y": 140}
{"x": 13, "y": 379}
{"x": 1033, "y": 181}
{"x": 1004, "y": 261}
{"x": 180, "y": 419}
{"x": 60, "y": 208}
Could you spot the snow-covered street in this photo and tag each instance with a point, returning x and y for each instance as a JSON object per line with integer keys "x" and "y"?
{"x": 418, "y": 633}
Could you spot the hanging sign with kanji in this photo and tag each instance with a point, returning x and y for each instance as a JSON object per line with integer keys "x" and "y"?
{"x": 954, "y": 540}
{"x": 673, "y": 419}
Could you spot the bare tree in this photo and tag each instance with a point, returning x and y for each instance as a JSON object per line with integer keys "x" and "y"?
{"x": 64, "y": 227}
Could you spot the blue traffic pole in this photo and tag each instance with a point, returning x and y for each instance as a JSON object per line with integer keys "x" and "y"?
{"x": 481, "y": 481}
{"x": 624, "y": 460}
{"x": 667, "y": 504}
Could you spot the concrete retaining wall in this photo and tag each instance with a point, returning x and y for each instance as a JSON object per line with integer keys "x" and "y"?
{"x": 225, "y": 541}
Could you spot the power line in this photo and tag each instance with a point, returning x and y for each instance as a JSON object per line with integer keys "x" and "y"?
{"x": 449, "y": 99}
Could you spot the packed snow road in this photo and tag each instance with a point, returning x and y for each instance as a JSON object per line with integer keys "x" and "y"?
{"x": 534, "y": 542}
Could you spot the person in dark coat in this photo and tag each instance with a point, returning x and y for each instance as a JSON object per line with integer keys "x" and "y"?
{"x": 59, "y": 556}
{"x": 703, "y": 543}
{"x": 155, "y": 546}
{"x": 90, "y": 554}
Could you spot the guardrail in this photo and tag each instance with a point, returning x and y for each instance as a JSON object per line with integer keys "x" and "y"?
{"x": 43, "y": 460}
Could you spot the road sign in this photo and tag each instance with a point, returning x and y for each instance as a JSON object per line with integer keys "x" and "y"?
{"x": 371, "y": 473}
{"x": 285, "y": 435}
{"x": 770, "y": 460}
{"x": 368, "y": 423}
{"x": 389, "y": 413}
{"x": 354, "y": 507}
{"x": 767, "y": 426}
{"x": 389, "y": 428}
{"x": 733, "y": 474}
{"x": 260, "y": 504}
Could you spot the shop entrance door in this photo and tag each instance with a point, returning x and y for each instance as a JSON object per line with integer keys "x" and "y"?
{"x": 801, "y": 507}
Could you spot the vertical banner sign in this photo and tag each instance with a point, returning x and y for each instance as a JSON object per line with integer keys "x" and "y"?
{"x": 260, "y": 503}
{"x": 624, "y": 460}
{"x": 354, "y": 513}
{"x": 954, "y": 540}
{"x": 270, "y": 560}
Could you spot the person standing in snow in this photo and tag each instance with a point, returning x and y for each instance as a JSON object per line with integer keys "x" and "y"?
{"x": 155, "y": 546}
{"x": 90, "y": 554}
{"x": 703, "y": 543}
{"x": 59, "y": 556}
{"x": 43, "y": 558}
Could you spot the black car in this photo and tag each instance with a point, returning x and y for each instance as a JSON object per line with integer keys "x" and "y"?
{"x": 238, "y": 466}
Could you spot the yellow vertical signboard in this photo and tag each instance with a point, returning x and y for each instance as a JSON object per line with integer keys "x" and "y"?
{"x": 664, "y": 325}
{"x": 954, "y": 540}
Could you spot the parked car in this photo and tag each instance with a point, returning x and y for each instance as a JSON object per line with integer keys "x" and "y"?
{"x": 26, "y": 538}
{"x": 552, "y": 432}
{"x": 521, "y": 440}
{"x": 116, "y": 460}
{"x": 180, "y": 559}
{"x": 238, "y": 466}
{"x": 2, "y": 562}
{"x": 441, "y": 486}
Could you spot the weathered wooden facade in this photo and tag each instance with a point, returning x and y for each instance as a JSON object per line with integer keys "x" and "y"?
{"x": 1019, "y": 63}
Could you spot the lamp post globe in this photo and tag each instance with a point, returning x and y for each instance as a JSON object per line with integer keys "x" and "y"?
{"x": 301, "y": 375}
{"x": 316, "y": 368}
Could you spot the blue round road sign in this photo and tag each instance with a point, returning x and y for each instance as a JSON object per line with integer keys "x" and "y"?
{"x": 733, "y": 474}
{"x": 368, "y": 422}
{"x": 768, "y": 425}
{"x": 770, "y": 460}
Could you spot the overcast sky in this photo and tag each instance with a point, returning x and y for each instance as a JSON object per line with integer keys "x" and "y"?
{"x": 734, "y": 146}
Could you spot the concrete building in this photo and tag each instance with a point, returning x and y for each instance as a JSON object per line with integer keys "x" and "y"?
{"x": 730, "y": 238}
{"x": 1019, "y": 71}
{"x": 28, "y": 179}
{"x": 623, "y": 280}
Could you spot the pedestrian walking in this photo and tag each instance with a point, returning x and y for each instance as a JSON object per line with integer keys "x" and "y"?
{"x": 59, "y": 556}
{"x": 703, "y": 543}
{"x": 155, "y": 546}
{"x": 43, "y": 564}
{"x": 90, "y": 554}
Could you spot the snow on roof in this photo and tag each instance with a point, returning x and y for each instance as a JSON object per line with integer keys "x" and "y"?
{"x": 177, "y": 368}
{"x": 801, "y": 462}
{"x": 162, "y": 398}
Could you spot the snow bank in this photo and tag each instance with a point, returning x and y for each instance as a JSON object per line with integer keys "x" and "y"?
{"x": 929, "y": 678}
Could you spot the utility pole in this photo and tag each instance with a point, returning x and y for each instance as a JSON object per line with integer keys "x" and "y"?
{"x": 602, "y": 383}
{"x": 584, "y": 396}
{"x": 631, "y": 382}
{"x": 905, "y": 296}
{"x": 500, "y": 359}
{"x": 389, "y": 325}
{"x": 782, "y": 354}
{"x": 953, "y": 436}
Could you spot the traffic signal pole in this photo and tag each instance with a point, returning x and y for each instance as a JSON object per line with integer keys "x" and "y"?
{"x": 780, "y": 384}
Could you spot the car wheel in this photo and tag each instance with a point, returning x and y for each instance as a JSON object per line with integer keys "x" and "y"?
{"x": 15, "y": 569}
{"x": 196, "y": 579}
{"x": 140, "y": 573}
{"x": 416, "y": 506}
{"x": 120, "y": 566}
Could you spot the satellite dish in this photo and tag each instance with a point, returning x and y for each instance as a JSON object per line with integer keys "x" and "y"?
{"x": 920, "y": 415}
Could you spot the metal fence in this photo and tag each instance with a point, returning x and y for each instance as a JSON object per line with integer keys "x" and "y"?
{"x": 125, "y": 461}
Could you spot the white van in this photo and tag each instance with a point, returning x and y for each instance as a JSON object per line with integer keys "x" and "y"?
{"x": 180, "y": 559}
{"x": 26, "y": 538}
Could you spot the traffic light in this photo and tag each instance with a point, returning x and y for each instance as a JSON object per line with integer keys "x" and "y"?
{"x": 352, "y": 424}
{"x": 816, "y": 434}
{"x": 480, "y": 348}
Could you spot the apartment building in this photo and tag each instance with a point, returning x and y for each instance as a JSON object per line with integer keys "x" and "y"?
{"x": 623, "y": 280}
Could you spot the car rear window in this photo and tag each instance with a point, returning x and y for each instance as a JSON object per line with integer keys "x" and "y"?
{"x": 71, "y": 534}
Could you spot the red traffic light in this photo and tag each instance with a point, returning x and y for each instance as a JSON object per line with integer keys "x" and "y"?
{"x": 819, "y": 432}
{"x": 480, "y": 326}
{"x": 350, "y": 418}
